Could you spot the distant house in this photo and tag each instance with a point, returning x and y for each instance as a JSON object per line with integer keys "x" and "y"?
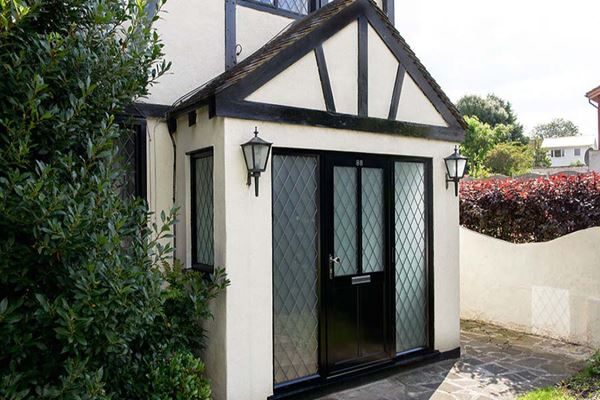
{"x": 570, "y": 150}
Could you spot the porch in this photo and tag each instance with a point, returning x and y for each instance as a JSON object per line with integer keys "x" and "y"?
{"x": 495, "y": 363}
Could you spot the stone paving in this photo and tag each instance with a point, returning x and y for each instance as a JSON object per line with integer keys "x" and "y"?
{"x": 495, "y": 363}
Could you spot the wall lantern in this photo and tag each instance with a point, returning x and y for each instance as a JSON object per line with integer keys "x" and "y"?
{"x": 256, "y": 154}
{"x": 455, "y": 168}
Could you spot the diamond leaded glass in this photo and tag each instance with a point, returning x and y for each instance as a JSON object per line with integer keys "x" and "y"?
{"x": 127, "y": 160}
{"x": 296, "y": 6}
{"x": 411, "y": 270}
{"x": 295, "y": 267}
{"x": 344, "y": 220}
{"x": 372, "y": 219}
{"x": 204, "y": 245}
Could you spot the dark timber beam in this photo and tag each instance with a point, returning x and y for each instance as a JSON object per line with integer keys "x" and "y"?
{"x": 396, "y": 93}
{"x": 230, "y": 34}
{"x": 388, "y": 9}
{"x": 325, "y": 82}
{"x": 363, "y": 67}
{"x": 301, "y": 116}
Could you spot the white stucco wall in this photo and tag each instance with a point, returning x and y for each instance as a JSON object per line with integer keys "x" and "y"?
{"x": 159, "y": 168}
{"x": 550, "y": 288}
{"x": 249, "y": 253}
{"x": 255, "y": 28}
{"x": 414, "y": 106}
{"x": 382, "y": 70}
{"x": 192, "y": 32}
{"x": 341, "y": 56}
{"x": 298, "y": 85}
{"x": 206, "y": 133}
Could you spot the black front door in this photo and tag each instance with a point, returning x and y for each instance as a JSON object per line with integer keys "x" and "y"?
{"x": 355, "y": 254}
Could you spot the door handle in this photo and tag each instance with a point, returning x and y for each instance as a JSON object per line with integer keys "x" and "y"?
{"x": 332, "y": 261}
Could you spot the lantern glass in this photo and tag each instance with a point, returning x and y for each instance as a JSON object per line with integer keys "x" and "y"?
{"x": 248, "y": 156}
{"x": 461, "y": 163}
{"x": 261, "y": 156}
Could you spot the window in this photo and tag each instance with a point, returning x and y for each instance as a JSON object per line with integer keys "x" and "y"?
{"x": 301, "y": 7}
{"x": 577, "y": 152}
{"x": 201, "y": 169}
{"x": 557, "y": 153}
{"x": 132, "y": 157}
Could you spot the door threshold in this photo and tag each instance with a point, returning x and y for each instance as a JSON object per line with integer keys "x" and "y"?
{"x": 321, "y": 386}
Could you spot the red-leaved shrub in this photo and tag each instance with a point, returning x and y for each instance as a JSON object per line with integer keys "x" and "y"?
{"x": 531, "y": 210}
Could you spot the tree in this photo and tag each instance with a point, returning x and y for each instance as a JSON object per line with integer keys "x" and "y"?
{"x": 480, "y": 138}
{"x": 540, "y": 155}
{"x": 84, "y": 313}
{"x": 558, "y": 127}
{"x": 493, "y": 111}
{"x": 509, "y": 159}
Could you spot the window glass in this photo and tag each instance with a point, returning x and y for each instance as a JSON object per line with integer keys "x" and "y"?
{"x": 577, "y": 152}
{"x": 202, "y": 211}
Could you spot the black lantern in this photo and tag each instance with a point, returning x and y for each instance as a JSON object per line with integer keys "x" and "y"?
{"x": 455, "y": 168}
{"x": 256, "y": 154}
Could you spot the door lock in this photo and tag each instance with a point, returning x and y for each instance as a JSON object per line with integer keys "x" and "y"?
{"x": 332, "y": 261}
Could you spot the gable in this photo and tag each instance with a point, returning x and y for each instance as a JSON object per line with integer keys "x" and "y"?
{"x": 343, "y": 66}
{"x": 301, "y": 84}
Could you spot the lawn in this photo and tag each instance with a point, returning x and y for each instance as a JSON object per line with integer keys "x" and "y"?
{"x": 583, "y": 385}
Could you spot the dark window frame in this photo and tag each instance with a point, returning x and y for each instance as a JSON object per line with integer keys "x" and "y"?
{"x": 557, "y": 153}
{"x": 196, "y": 155}
{"x": 275, "y": 9}
{"x": 140, "y": 165}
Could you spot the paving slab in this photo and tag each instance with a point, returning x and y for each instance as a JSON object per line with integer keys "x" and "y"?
{"x": 495, "y": 363}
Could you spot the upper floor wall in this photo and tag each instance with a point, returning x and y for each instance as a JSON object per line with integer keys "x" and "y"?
{"x": 202, "y": 38}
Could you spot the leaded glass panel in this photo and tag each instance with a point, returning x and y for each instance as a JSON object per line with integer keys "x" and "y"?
{"x": 203, "y": 197}
{"x": 411, "y": 265}
{"x": 345, "y": 223}
{"x": 295, "y": 266}
{"x": 372, "y": 219}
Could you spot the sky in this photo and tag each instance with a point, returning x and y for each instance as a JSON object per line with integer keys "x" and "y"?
{"x": 542, "y": 56}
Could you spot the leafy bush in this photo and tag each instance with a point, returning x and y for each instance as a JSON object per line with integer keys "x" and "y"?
{"x": 179, "y": 376}
{"x": 84, "y": 313}
{"x": 533, "y": 210}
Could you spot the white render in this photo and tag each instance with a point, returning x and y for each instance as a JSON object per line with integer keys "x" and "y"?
{"x": 255, "y": 28}
{"x": 341, "y": 56}
{"x": 414, "y": 106}
{"x": 382, "y": 68}
{"x": 192, "y": 34}
{"x": 550, "y": 288}
{"x": 568, "y": 145}
{"x": 300, "y": 77}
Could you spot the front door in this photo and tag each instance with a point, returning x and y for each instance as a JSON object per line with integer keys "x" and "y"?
{"x": 356, "y": 247}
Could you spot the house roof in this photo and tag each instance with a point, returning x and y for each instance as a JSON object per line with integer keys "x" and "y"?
{"x": 594, "y": 93}
{"x": 569, "y": 141}
{"x": 290, "y": 36}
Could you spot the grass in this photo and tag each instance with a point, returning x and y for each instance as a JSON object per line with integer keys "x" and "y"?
{"x": 583, "y": 385}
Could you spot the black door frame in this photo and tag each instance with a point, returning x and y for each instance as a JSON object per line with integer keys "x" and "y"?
{"x": 331, "y": 160}
{"x": 417, "y": 355}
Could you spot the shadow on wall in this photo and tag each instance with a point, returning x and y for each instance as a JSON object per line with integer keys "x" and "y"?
{"x": 550, "y": 288}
